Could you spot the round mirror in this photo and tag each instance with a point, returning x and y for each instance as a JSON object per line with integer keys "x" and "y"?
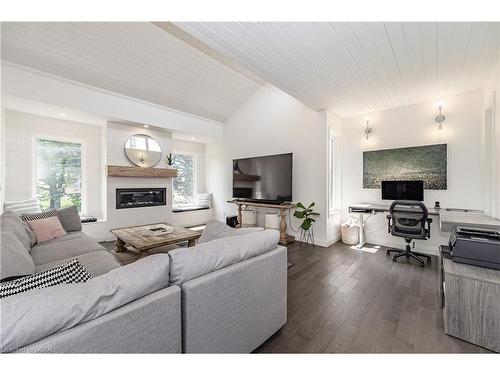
{"x": 143, "y": 150}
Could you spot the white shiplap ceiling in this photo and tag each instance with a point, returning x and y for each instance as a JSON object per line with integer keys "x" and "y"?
{"x": 358, "y": 68}
{"x": 140, "y": 60}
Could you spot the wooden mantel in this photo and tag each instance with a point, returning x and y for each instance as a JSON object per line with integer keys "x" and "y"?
{"x": 130, "y": 171}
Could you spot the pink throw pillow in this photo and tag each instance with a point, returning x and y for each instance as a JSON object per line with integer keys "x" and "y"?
{"x": 47, "y": 229}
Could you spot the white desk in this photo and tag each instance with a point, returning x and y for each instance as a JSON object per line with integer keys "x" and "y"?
{"x": 448, "y": 218}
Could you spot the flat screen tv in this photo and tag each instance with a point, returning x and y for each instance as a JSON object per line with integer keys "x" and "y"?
{"x": 403, "y": 190}
{"x": 263, "y": 178}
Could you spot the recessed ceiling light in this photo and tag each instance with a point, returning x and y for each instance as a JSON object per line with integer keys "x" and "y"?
{"x": 193, "y": 138}
{"x": 146, "y": 126}
{"x": 62, "y": 114}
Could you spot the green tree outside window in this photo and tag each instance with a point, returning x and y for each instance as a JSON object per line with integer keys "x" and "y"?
{"x": 184, "y": 188}
{"x": 59, "y": 174}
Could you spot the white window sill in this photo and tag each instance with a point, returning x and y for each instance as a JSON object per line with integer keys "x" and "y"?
{"x": 99, "y": 221}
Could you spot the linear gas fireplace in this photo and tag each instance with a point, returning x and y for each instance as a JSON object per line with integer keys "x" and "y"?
{"x": 140, "y": 197}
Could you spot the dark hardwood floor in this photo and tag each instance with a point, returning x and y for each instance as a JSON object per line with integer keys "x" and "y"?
{"x": 342, "y": 300}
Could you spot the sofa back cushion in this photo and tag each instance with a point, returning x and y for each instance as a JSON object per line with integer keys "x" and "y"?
{"x": 10, "y": 222}
{"x": 215, "y": 229}
{"x": 29, "y": 317}
{"x": 190, "y": 263}
{"x": 15, "y": 259}
{"x": 70, "y": 219}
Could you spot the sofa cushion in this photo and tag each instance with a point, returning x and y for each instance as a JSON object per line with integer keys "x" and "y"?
{"x": 19, "y": 207}
{"x": 28, "y": 317}
{"x": 97, "y": 262}
{"x": 15, "y": 258}
{"x": 31, "y": 235}
{"x": 47, "y": 229}
{"x": 190, "y": 263}
{"x": 70, "y": 219}
{"x": 69, "y": 246}
{"x": 11, "y": 222}
{"x": 215, "y": 229}
{"x": 67, "y": 273}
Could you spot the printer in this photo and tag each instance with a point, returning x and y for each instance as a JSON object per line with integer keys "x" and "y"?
{"x": 478, "y": 247}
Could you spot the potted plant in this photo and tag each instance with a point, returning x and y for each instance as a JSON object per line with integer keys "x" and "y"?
{"x": 306, "y": 228}
{"x": 169, "y": 160}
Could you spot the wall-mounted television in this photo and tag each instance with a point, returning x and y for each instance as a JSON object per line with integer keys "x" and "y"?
{"x": 403, "y": 190}
{"x": 263, "y": 178}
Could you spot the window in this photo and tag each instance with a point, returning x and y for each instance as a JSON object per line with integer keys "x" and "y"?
{"x": 58, "y": 174}
{"x": 185, "y": 183}
{"x": 331, "y": 174}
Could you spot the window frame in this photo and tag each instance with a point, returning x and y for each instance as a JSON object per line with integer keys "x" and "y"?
{"x": 194, "y": 155}
{"x": 83, "y": 167}
{"x": 332, "y": 145}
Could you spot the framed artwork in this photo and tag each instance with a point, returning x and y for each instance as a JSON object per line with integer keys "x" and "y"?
{"x": 427, "y": 163}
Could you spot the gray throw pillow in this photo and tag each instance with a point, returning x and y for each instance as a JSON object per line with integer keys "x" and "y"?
{"x": 70, "y": 219}
{"x": 15, "y": 258}
{"x": 215, "y": 229}
{"x": 11, "y": 222}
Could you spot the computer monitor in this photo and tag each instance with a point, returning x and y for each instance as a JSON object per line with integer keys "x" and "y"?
{"x": 403, "y": 190}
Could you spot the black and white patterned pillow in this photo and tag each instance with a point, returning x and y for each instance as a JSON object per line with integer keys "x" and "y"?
{"x": 71, "y": 272}
{"x": 39, "y": 215}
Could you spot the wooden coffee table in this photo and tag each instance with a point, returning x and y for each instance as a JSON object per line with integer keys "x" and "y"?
{"x": 137, "y": 238}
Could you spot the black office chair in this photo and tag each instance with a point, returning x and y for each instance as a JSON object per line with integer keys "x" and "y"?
{"x": 408, "y": 219}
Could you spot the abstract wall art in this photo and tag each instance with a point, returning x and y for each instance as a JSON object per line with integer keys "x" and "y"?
{"x": 427, "y": 163}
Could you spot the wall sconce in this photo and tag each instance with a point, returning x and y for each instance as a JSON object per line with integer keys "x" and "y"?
{"x": 368, "y": 129}
{"x": 440, "y": 118}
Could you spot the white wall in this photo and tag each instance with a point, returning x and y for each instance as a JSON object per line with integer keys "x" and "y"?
{"x": 272, "y": 122}
{"x": 117, "y": 135}
{"x": 492, "y": 159}
{"x": 415, "y": 126}
{"x": 21, "y": 130}
{"x": 334, "y": 123}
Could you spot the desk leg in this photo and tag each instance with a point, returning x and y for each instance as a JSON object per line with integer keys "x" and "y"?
{"x": 362, "y": 241}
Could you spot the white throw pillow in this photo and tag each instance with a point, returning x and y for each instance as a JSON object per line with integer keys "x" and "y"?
{"x": 204, "y": 200}
{"x": 20, "y": 207}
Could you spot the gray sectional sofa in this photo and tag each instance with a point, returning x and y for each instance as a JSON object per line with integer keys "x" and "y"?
{"x": 225, "y": 295}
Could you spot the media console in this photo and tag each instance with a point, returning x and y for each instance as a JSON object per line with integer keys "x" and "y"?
{"x": 285, "y": 238}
